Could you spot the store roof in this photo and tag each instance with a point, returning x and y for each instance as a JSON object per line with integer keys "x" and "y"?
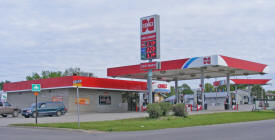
{"x": 189, "y": 68}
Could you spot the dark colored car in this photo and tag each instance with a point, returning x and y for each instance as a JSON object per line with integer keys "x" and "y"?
{"x": 6, "y": 109}
{"x": 45, "y": 109}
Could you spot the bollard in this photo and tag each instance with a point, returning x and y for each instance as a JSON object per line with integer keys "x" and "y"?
{"x": 136, "y": 108}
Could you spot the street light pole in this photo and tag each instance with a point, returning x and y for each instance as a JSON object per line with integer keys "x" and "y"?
{"x": 77, "y": 96}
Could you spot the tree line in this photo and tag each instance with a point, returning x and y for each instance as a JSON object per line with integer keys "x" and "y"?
{"x": 256, "y": 90}
{"x": 52, "y": 74}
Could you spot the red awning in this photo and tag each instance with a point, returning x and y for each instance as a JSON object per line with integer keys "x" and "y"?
{"x": 87, "y": 82}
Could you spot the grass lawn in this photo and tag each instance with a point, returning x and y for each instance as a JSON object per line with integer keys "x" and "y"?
{"x": 138, "y": 124}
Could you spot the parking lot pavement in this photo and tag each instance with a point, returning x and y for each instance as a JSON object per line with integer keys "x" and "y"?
{"x": 72, "y": 117}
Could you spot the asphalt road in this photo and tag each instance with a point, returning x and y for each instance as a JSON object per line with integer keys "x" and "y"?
{"x": 260, "y": 130}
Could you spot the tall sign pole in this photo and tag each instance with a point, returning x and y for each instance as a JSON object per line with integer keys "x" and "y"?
{"x": 150, "y": 45}
{"x": 36, "y": 112}
{"x": 36, "y": 88}
{"x": 149, "y": 84}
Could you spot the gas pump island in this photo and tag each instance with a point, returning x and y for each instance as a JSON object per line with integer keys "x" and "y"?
{"x": 181, "y": 69}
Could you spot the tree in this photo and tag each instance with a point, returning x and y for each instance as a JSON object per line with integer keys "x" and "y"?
{"x": 52, "y": 74}
{"x": 183, "y": 89}
{"x": 208, "y": 87}
{"x": 172, "y": 91}
{"x": 71, "y": 71}
{"x": 271, "y": 91}
{"x": 223, "y": 88}
{"x": 186, "y": 89}
{"x": 2, "y": 84}
{"x": 258, "y": 91}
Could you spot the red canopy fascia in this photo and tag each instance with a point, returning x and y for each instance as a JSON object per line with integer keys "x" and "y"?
{"x": 250, "y": 81}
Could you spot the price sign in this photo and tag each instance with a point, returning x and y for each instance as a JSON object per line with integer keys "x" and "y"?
{"x": 150, "y": 37}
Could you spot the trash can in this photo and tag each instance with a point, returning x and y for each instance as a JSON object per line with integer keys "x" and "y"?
{"x": 226, "y": 106}
{"x": 205, "y": 106}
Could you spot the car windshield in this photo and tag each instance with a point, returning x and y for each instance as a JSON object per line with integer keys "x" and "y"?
{"x": 7, "y": 104}
{"x": 33, "y": 105}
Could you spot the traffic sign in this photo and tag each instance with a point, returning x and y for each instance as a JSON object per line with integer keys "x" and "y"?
{"x": 36, "y": 93}
{"x": 36, "y": 87}
{"x": 4, "y": 97}
{"x": 77, "y": 83}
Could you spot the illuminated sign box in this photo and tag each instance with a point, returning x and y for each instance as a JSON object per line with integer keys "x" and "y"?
{"x": 150, "y": 65}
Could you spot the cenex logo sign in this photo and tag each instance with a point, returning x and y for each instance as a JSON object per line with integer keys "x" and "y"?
{"x": 162, "y": 85}
{"x": 207, "y": 60}
{"x": 148, "y": 24}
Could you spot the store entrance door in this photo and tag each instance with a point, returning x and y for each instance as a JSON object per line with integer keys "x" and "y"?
{"x": 133, "y": 100}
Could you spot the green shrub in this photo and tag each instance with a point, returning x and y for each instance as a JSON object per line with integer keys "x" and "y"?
{"x": 165, "y": 107}
{"x": 154, "y": 110}
{"x": 180, "y": 110}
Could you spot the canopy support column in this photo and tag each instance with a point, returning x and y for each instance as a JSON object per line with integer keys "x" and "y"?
{"x": 249, "y": 95}
{"x": 228, "y": 90}
{"x": 202, "y": 87}
{"x": 176, "y": 90}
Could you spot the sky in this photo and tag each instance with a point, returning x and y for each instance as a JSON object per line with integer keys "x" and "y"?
{"x": 94, "y": 35}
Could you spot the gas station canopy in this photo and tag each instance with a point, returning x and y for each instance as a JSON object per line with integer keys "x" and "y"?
{"x": 190, "y": 68}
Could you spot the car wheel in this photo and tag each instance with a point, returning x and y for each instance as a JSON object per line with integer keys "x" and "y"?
{"x": 4, "y": 115}
{"x": 26, "y": 116}
{"x": 15, "y": 113}
{"x": 58, "y": 113}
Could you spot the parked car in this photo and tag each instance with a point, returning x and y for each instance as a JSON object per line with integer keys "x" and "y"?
{"x": 45, "y": 109}
{"x": 6, "y": 109}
